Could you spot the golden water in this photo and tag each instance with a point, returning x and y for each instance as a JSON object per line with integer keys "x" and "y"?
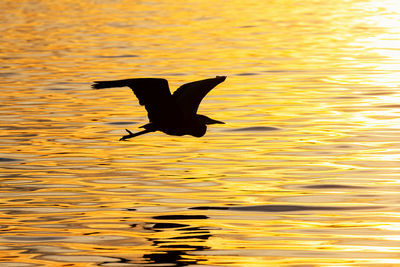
{"x": 305, "y": 172}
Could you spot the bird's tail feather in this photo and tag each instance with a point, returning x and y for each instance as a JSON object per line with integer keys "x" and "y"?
{"x": 109, "y": 84}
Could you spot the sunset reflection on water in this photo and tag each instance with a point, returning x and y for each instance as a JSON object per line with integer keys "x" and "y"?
{"x": 304, "y": 172}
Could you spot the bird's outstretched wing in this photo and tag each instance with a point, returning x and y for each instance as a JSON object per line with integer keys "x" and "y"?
{"x": 152, "y": 93}
{"x": 189, "y": 95}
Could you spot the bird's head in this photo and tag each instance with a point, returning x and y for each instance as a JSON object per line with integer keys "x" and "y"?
{"x": 199, "y": 131}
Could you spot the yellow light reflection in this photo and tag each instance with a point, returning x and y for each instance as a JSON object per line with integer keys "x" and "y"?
{"x": 322, "y": 74}
{"x": 383, "y": 41}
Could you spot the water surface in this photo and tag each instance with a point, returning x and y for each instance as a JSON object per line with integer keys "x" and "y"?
{"x": 305, "y": 172}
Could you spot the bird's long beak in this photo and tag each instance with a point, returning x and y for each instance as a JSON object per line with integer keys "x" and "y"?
{"x": 219, "y": 122}
{"x": 212, "y": 121}
{"x": 208, "y": 120}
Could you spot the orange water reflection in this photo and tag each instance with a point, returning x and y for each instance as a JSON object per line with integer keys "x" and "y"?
{"x": 304, "y": 172}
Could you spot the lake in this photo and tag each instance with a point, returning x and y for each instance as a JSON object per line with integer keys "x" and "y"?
{"x": 305, "y": 172}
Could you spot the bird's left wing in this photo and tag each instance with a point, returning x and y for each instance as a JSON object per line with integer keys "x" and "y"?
{"x": 189, "y": 95}
{"x": 152, "y": 93}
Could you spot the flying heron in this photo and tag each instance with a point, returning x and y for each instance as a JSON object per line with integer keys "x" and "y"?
{"x": 173, "y": 114}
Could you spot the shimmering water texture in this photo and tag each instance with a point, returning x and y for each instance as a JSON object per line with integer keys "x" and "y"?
{"x": 305, "y": 172}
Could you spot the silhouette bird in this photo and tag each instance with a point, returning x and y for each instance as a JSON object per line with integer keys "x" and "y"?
{"x": 173, "y": 114}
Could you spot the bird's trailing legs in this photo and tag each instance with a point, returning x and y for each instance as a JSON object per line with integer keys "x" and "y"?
{"x": 131, "y": 135}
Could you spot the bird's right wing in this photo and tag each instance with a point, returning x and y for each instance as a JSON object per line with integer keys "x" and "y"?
{"x": 189, "y": 95}
{"x": 152, "y": 93}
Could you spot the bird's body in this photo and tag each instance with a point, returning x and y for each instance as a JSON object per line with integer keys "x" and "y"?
{"x": 173, "y": 114}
